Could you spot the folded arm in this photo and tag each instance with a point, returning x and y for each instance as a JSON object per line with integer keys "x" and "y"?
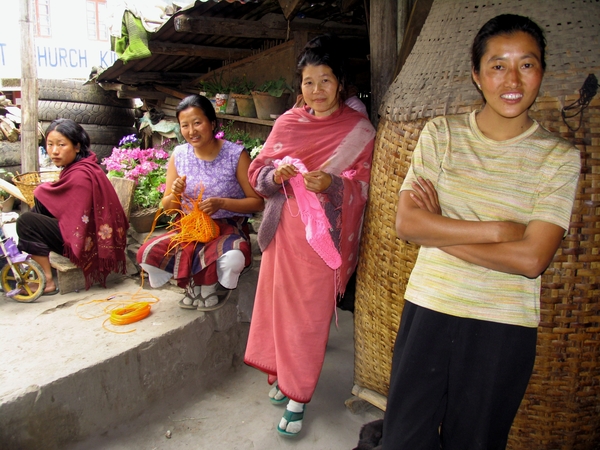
{"x": 497, "y": 245}
{"x": 528, "y": 256}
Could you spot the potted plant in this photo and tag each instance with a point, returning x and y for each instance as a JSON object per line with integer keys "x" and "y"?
{"x": 6, "y": 199}
{"x": 148, "y": 169}
{"x": 216, "y": 91}
{"x": 271, "y": 98}
{"x": 241, "y": 94}
{"x": 240, "y": 137}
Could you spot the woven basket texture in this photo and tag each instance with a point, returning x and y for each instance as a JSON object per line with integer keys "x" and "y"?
{"x": 27, "y": 182}
{"x": 561, "y": 408}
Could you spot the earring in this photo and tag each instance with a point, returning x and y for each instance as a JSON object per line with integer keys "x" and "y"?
{"x": 479, "y": 86}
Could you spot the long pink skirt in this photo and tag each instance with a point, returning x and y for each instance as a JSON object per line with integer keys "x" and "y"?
{"x": 292, "y": 313}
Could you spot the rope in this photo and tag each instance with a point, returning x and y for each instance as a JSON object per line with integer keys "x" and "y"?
{"x": 129, "y": 314}
{"x": 586, "y": 93}
{"x": 287, "y": 201}
{"x": 122, "y": 308}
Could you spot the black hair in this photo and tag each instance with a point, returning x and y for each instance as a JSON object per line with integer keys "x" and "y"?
{"x": 506, "y": 24}
{"x": 198, "y": 101}
{"x": 324, "y": 50}
{"x": 74, "y": 133}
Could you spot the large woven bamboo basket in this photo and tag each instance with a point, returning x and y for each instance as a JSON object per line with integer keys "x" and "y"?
{"x": 27, "y": 182}
{"x": 561, "y": 409}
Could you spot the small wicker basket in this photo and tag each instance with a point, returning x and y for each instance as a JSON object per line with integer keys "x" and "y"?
{"x": 27, "y": 182}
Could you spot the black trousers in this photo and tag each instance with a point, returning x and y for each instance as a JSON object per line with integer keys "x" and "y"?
{"x": 456, "y": 384}
{"x": 39, "y": 233}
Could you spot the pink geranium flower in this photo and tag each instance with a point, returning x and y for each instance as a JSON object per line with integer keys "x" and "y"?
{"x": 146, "y": 167}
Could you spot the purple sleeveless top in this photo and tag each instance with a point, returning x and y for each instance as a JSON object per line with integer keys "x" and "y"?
{"x": 218, "y": 176}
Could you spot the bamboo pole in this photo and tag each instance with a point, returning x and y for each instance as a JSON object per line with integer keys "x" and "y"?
{"x": 29, "y": 95}
{"x": 384, "y": 53}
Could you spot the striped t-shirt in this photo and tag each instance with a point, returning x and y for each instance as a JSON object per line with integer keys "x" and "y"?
{"x": 532, "y": 176}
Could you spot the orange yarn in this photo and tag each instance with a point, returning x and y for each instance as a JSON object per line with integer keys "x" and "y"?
{"x": 120, "y": 311}
{"x": 129, "y": 314}
{"x": 194, "y": 225}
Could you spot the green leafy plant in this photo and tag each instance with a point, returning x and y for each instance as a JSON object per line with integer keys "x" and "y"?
{"x": 276, "y": 88}
{"x": 146, "y": 167}
{"x": 5, "y": 174}
{"x": 241, "y": 86}
{"x": 254, "y": 151}
{"x": 238, "y": 136}
{"x": 214, "y": 86}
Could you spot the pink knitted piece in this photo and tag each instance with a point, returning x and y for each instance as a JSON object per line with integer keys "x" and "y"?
{"x": 313, "y": 216}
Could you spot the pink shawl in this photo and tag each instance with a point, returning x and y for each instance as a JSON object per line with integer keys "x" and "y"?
{"x": 313, "y": 216}
{"x": 340, "y": 144}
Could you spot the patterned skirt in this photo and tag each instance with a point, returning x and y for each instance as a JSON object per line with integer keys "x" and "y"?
{"x": 197, "y": 261}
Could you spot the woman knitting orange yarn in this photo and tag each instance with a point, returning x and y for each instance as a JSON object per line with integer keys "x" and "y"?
{"x": 218, "y": 169}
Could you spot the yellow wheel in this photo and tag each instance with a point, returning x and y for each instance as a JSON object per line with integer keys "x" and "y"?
{"x": 26, "y": 286}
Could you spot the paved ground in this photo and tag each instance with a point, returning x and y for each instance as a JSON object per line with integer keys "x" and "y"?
{"x": 47, "y": 342}
{"x": 54, "y": 357}
{"x": 235, "y": 413}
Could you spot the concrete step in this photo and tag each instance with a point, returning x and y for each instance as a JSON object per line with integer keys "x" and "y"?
{"x": 64, "y": 376}
{"x": 70, "y": 278}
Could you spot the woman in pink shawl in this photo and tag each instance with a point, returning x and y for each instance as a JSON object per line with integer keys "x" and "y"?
{"x": 313, "y": 172}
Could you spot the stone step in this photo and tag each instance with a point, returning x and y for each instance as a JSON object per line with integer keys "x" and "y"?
{"x": 59, "y": 388}
{"x": 70, "y": 278}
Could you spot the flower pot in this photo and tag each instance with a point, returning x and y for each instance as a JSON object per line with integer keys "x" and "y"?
{"x": 212, "y": 100}
{"x": 8, "y": 204}
{"x": 232, "y": 108}
{"x": 245, "y": 105}
{"x": 267, "y": 105}
{"x": 142, "y": 219}
{"x": 221, "y": 103}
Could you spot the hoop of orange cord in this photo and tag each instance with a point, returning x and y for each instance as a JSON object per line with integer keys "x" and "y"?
{"x": 121, "y": 311}
{"x": 130, "y": 313}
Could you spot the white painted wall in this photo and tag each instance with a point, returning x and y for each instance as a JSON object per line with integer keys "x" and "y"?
{"x": 68, "y": 54}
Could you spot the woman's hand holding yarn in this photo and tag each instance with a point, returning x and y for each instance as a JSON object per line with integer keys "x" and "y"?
{"x": 284, "y": 172}
{"x": 212, "y": 205}
{"x": 178, "y": 186}
{"x": 317, "y": 181}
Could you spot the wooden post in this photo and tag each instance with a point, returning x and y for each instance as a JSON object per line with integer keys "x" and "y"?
{"x": 384, "y": 50}
{"x": 300, "y": 40}
{"x": 29, "y": 95}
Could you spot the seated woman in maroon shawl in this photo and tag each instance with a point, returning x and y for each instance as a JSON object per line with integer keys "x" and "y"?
{"x": 314, "y": 173}
{"x": 79, "y": 216}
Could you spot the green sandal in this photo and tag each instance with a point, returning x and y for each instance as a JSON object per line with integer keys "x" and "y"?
{"x": 276, "y": 401}
{"x": 290, "y": 417}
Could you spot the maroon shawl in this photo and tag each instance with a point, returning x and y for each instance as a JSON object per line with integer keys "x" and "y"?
{"x": 90, "y": 217}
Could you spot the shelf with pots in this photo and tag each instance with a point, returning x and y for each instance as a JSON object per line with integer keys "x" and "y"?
{"x": 253, "y": 120}
{"x": 244, "y": 102}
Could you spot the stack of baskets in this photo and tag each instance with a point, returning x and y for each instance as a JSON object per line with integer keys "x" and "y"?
{"x": 561, "y": 409}
{"x": 27, "y": 182}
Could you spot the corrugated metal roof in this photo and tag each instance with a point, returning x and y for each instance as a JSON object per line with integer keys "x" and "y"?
{"x": 175, "y": 70}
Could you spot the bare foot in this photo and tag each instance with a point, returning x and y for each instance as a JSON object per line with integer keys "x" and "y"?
{"x": 50, "y": 286}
